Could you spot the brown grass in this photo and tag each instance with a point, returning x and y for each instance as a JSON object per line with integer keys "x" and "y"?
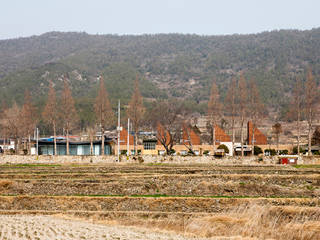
{"x": 261, "y": 222}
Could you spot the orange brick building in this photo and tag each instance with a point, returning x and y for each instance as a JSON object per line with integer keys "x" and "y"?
{"x": 259, "y": 137}
{"x": 188, "y": 133}
{"x": 124, "y": 137}
{"x": 221, "y": 136}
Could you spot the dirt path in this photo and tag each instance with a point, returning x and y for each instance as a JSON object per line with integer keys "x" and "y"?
{"x": 15, "y": 227}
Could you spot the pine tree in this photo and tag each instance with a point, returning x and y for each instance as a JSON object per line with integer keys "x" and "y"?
{"x": 214, "y": 112}
{"x": 68, "y": 113}
{"x": 231, "y": 107}
{"x": 103, "y": 111}
{"x": 311, "y": 100}
{"x": 50, "y": 114}
{"x": 296, "y": 108}
{"x": 28, "y": 118}
{"x": 243, "y": 106}
{"x": 256, "y": 108}
{"x": 136, "y": 111}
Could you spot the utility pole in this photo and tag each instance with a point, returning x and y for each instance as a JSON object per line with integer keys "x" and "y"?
{"x": 119, "y": 129}
{"x": 128, "y": 138}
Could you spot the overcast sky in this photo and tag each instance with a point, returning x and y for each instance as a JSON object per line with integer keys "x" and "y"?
{"x": 207, "y": 17}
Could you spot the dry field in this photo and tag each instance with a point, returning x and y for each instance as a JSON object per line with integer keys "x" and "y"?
{"x": 130, "y": 201}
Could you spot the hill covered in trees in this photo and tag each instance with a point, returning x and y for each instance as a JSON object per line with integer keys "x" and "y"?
{"x": 168, "y": 65}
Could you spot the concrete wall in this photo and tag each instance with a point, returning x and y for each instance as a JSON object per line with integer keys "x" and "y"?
{"x": 22, "y": 159}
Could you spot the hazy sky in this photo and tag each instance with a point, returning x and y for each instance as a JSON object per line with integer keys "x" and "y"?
{"x": 210, "y": 17}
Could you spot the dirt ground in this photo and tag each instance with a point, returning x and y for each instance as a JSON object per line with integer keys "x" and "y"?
{"x": 14, "y": 227}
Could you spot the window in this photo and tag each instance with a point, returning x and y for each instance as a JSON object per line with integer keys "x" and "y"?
{"x": 149, "y": 145}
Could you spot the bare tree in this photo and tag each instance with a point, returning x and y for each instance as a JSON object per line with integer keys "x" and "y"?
{"x": 277, "y": 130}
{"x": 164, "y": 117}
{"x": 231, "y": 107}
{"x": 214, "y": 111}
{"x": 67, "y": 112}
{"x": 136, "y": 111}
{"x": 311, "y": 100}
{"x": 103, "y": 111}
{"x": 91, "y": 134}
{"x": 243, "y": 106}
{"x": 256, "y": 109}
{"x": 28, "y": 118}
{"x": 296, "y": 108}
{"x": 3, "y": 128}
{"x": 50, "y": 114}
{"x": 11, "y": 121}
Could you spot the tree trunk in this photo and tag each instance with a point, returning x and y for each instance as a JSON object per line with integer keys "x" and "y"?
{"x": 55, "y": 139}
{"x": 68, "y": 152}
{"x": 252, "y": 139}
{"x": 233, "y": 137}
{"x": 135, "y": 143}
{"x": 29, "y": 145}
{"x": 298, "y": 126}
{"x": 241, "y": 138}
{"x": 102, "y": 141}
{"x": 91, "y": 146}
{"x": 213, "y": 139}
{"x": 309, "y": 140}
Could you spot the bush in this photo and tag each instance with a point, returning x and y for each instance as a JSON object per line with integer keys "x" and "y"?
{"x": 270, "y": 152}
{"x": 257, "y": 150}
{"x": 226, "y": 149}
{"x": 283, "y": 152}
{"x": 295, "y": 150}
{"x": 206, "y": 152}
{"x": 172, "y": 151}
{"x": 123, "y": 152}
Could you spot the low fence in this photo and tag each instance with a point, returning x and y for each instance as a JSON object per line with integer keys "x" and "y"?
{"x": 47, "y": 159}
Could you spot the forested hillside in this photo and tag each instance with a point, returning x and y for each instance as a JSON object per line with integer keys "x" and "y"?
{"x": 168, "y": 65}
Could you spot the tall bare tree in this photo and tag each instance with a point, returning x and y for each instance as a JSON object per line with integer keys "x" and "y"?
{"x": 67, "y": 112}
{"x": 214, "y": 111}
{"x": 311, "y": 100}
{"x": 11, "y": 121}
{"x": 3, "y": 129}
{"x": 50, "y": 113}
{"x": 256, "y": 108}
{"x": 136, "y": 111}
{"x": 103, "y": 111}
{"x": 28, "y": 118}
{"x": 242, "y": 106}
{"x": 277, "y": 130}
{"x": 165, "y": 118}
{"x": 91, "y": 135}
{"x": 296, "y": 108}
{"x": 231, "y": 107}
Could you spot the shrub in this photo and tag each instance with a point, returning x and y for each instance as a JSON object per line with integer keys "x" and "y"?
{"x": 123, "y": 152}
{"x": 226, "y": 149}
{"x": 283, "y": 152}
{"x": 295, "y": 150}
{"x": 257, "y": 150}
{"x": 270, "y": 152}
{"x": 206, "y": 152}
{"x": 25, "y": 151}
{"x": 172, "y": 151}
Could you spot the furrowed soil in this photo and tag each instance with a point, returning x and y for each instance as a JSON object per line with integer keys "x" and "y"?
{"x": 130, "y": 201}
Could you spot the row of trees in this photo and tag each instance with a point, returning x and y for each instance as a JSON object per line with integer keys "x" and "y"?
{"x": 20, "y": 123}
{"x": 304, "y": 101}
{"x": 241, "y": 104}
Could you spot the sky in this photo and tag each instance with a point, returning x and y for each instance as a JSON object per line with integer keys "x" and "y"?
{"x": 21, "y": 18}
